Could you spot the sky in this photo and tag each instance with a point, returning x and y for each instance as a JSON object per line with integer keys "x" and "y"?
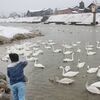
{"x": 8, "y": 6}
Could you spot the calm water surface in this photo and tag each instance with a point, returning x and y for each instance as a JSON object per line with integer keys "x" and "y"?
{"x": 39, "y": 86}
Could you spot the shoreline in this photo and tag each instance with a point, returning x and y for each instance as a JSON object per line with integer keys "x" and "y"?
{"x": 19, "y": 36}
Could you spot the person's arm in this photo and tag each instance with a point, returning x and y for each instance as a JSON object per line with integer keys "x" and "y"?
{"x": 23, "y": 63}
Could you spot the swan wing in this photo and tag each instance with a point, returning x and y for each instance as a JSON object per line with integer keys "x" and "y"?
{"x": 71, "y": 74}
{"x": 66, "y": 81}
{"x": 98, "y": 73}
{"x": 80, "y": 65}
{"x": 96, "y": 84}
{"x": 92, "y": 70}
{"x": 92, "y": 89}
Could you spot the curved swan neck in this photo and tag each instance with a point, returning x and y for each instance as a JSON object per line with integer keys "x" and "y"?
{"x": 63, "y": 72}
{"x": 72, "y": 56}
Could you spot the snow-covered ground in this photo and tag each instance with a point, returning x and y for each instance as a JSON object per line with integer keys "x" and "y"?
{"x": 83, "y": 18}
{"x": 23, "y": 19}
{"x": 9, "y": 32}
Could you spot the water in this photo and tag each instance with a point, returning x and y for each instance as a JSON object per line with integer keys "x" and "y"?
{"x": 39, "y": 86}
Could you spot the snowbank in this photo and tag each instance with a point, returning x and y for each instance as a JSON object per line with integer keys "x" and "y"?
{"x": 83, "y": 18}
{"x": 22, "y": 20}
{"x": 9, "y": 32}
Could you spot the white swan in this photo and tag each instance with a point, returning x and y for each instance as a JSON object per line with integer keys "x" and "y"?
{"x": 67, "y": 46}
{"x": 56, "y": 50}
{"x": 66, "y": 68}
{"x": 87, "y": 48}
{"x": 67, "y": 52}
{"x": 89, "y": 53}
{"x": 78, "y": 50}
{"x": 97, "y": 46}
{"x": 80, "y": 64}
{"x": 64, "y": 80}
{"x": 96, "y": 84}
{"x": 92, "y": 70}
{"x": 69, "y": 59}
{"x": 92, "y": 89}
{"x": 69, "y": 73}
{"x": 31, "y": 58}
{"x": 38, "y": 65}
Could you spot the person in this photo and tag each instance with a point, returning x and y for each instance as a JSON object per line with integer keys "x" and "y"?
{"x": 15, "y": 72}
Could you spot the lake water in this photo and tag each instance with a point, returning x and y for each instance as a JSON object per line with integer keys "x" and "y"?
{"x": 39, "y": 87}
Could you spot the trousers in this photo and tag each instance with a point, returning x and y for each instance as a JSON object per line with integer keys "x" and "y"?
{"x": 18, "y": 91}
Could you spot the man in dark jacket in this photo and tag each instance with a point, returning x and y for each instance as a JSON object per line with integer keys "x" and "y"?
{"x": 15, "y": 72}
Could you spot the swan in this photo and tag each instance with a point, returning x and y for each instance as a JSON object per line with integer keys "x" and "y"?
{"x": 31, "y": 58}
{"x": 69, "y": 59}
{"x": 47, "y": 47}
{"x": 74, "y": 44}
{"x": 5, "y": 58}
{"x": 67, "y": 46}
{"x": 78, "y": 42}
{"x": 92, "y": 70}
{"x": 96, "y": 84}
{"x": 66, "y": 68}
{"x": 64, "y": 80}
{"x": 38, "y": 65}
{"x": 78, "y": 50}
{"x": 88, "y": 48}
{"x": 56, "y": 50}
{"x": 97, "y": 46}
{"x": 89, "y": 53}
{"x": 69, "y": 73}
{"x": 67, "y": 52}
{"x": 92, "y": 89}
{"x": 80, "y": 64}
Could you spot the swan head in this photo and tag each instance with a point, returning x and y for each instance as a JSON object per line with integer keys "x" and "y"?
{"x": 98, "y": 66}
{"x": 61, "y": 67}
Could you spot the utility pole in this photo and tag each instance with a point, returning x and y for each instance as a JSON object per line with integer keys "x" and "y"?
{"x": 94, "y": 8}
{"x": 94, "y": 14}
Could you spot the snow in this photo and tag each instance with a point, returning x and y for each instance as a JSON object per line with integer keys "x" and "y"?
{"x": 82, "y": 18}
{"x": 23, "y": 19}
{"x": 9, "y": 32}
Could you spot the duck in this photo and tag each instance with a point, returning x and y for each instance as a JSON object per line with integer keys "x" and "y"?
{"x": 69, "y": 59}
{"x": 92, "y": 70}
{"x": 92, "y": 89}
{"x": 37, "y": 65}
{"x": 69, "y": 73}
{"x": 64, "y": 80}
{"x": 80, "y": 64}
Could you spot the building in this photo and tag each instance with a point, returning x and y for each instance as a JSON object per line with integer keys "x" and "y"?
{"x": 81, "y": 5}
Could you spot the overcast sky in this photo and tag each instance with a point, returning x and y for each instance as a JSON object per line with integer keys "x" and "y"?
{"x": 7, "y": 6}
